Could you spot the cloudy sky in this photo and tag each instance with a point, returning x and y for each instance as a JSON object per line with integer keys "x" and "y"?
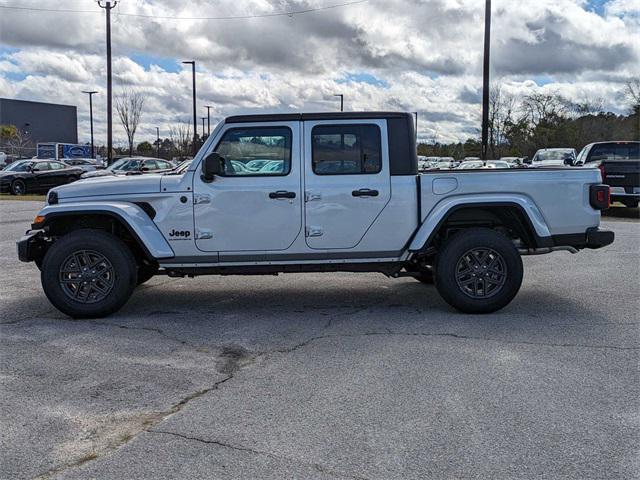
{"x": 413, "y": 55}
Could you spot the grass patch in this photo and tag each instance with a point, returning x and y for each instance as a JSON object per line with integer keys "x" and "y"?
{"x": 31, "y": 198}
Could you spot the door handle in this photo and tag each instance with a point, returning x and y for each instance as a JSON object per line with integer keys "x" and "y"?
{"x": 365, "y": 192}
{"x": 282, "y": 194}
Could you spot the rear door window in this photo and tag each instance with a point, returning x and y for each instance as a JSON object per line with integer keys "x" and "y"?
{"x": 346, "y": 149}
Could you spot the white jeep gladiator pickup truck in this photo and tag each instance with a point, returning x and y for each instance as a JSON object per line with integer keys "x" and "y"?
{"x": 321, "y": 192}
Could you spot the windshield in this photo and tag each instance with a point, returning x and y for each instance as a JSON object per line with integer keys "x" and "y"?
{"x": 182, "y": 167}
{"x": 553, "y": 155}
{"x": 18, "y": 167}
{"x": 126, "y": 165}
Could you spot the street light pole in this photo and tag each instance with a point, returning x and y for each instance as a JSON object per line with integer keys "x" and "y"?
{"x": 93, "y": 152}
{"x": 208, "y": 107}
{"x": 341, "y": 101}
{"x": 203, "y": 119}
{"x": 485, "y": 80}
{"x": 195, "y": 122}
{"x": 108, "y": 6}
{"x": 158, "y": 142}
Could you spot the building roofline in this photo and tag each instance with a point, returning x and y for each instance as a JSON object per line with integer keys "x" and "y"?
{"x": 40, "y": 103}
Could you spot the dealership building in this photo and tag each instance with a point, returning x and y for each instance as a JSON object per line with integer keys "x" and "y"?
{"x": 41, "y": 122}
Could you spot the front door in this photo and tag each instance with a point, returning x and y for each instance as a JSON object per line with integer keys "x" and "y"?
{"x": 256, "y": 203}
{"x": 347, "y": 182}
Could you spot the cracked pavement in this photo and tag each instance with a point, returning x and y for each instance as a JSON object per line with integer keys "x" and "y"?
{"x": 326, "y": 376}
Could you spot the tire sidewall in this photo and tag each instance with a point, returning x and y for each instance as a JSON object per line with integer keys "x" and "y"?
{"x": 108, "y": 245}
{"x": 448, "y": 259}
{"x": 24, "y": 187}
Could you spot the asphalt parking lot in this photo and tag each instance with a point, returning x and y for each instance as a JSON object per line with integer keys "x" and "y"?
{"x": 351, "y": 376}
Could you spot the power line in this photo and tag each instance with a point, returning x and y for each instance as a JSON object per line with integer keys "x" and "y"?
{"x": 290, "y": 13}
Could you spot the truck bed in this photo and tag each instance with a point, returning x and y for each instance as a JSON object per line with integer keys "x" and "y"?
{"x": 555, "y": 191}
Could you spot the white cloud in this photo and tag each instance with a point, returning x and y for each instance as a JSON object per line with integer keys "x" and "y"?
{"x": 427, "y": 55}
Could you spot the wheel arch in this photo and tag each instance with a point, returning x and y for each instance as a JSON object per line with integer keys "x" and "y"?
{"x": 518, "y": 214}
{"x": 123, "y": 219}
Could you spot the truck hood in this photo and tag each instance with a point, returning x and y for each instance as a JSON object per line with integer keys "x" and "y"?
{"x": 111, "y": 185}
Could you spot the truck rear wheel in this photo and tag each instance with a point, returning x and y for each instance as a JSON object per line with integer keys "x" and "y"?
{"x": 88, "y": 274}
{"x": 478, "y": 271}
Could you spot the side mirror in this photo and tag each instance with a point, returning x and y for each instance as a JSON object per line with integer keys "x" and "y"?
{"x": 212, "y": 165}
{"x": 34, "y": 169}
{"x": 144, "y": 169}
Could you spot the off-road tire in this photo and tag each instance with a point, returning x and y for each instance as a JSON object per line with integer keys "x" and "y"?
{"x": 18, "y": 187}
{"x": 117, "y": 259}
{"x": 502, "y": 265}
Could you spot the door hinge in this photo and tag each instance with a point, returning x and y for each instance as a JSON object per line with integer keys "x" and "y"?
{"x": 313, "y": 231}
{"x": 309, "y": 197}
{"x": 203, "y": 234}
{"x": 199, "y": 198}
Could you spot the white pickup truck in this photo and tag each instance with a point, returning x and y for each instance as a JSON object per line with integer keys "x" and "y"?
{"x": 321, "y": 192}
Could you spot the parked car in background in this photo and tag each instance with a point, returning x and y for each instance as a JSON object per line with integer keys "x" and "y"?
{"x": 133, "y": 166}
{"x": 470, "y": 159}
{"x": 514, "y": 161}
{"x": 86, "y": 164}
{"x": 33, "y": 176}
{"x": 471, "y": 165}
{"x": 498, "y": 164}
{"x": 619, "y": 163}
{"x": 549, "y": 157}
{"x": 489, "y": 164}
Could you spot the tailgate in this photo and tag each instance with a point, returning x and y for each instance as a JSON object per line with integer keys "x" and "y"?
{"x": 621, "y": 174}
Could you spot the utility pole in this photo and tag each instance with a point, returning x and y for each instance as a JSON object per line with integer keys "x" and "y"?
{"x": 195, "y": 121}
{"x": 485, "y": 80}
{"x": 203, "y": 119}
{"x": 93, "y": 152}
{"x": 341, "y": 101}
{"x": 208, "y": 107}
{"x": 416, "y": 114}
{"x": 157, "y": 142}
{"x": 108, "y": 6}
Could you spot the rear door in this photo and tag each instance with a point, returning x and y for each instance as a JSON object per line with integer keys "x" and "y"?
{"x": 347, "y": 180}
{"x": 44, "y": 177}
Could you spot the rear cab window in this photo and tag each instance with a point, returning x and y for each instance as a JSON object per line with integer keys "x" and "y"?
{"x": 614, "y": 151}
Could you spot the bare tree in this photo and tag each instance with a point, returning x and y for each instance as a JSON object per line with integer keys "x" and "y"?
{"x": 585, "y": 106}
{"x": 632, "y": 93}
{"x": 501, "y": 107}
{"x": 18, "y": 142}
{"x": 180, "y": 135}
{"x": 540, "y": 108}
{"x": 129, "y": 107}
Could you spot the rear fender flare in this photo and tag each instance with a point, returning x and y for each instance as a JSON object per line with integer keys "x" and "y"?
{"x": 444, "y": 208}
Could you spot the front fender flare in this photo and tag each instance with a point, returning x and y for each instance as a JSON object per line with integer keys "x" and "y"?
{"x": 132, "y": 216}
{"x": 442, "y": 209}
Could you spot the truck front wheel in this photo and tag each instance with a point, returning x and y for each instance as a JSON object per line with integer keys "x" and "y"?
{"x": 88, "y": 274}
{"x": 478, "y": 271}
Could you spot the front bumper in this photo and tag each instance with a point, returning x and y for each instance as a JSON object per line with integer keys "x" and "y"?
{"x": 31, "y": 246}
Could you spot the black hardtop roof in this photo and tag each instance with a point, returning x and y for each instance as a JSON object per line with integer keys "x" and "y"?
{"x": 292, "y": 117}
